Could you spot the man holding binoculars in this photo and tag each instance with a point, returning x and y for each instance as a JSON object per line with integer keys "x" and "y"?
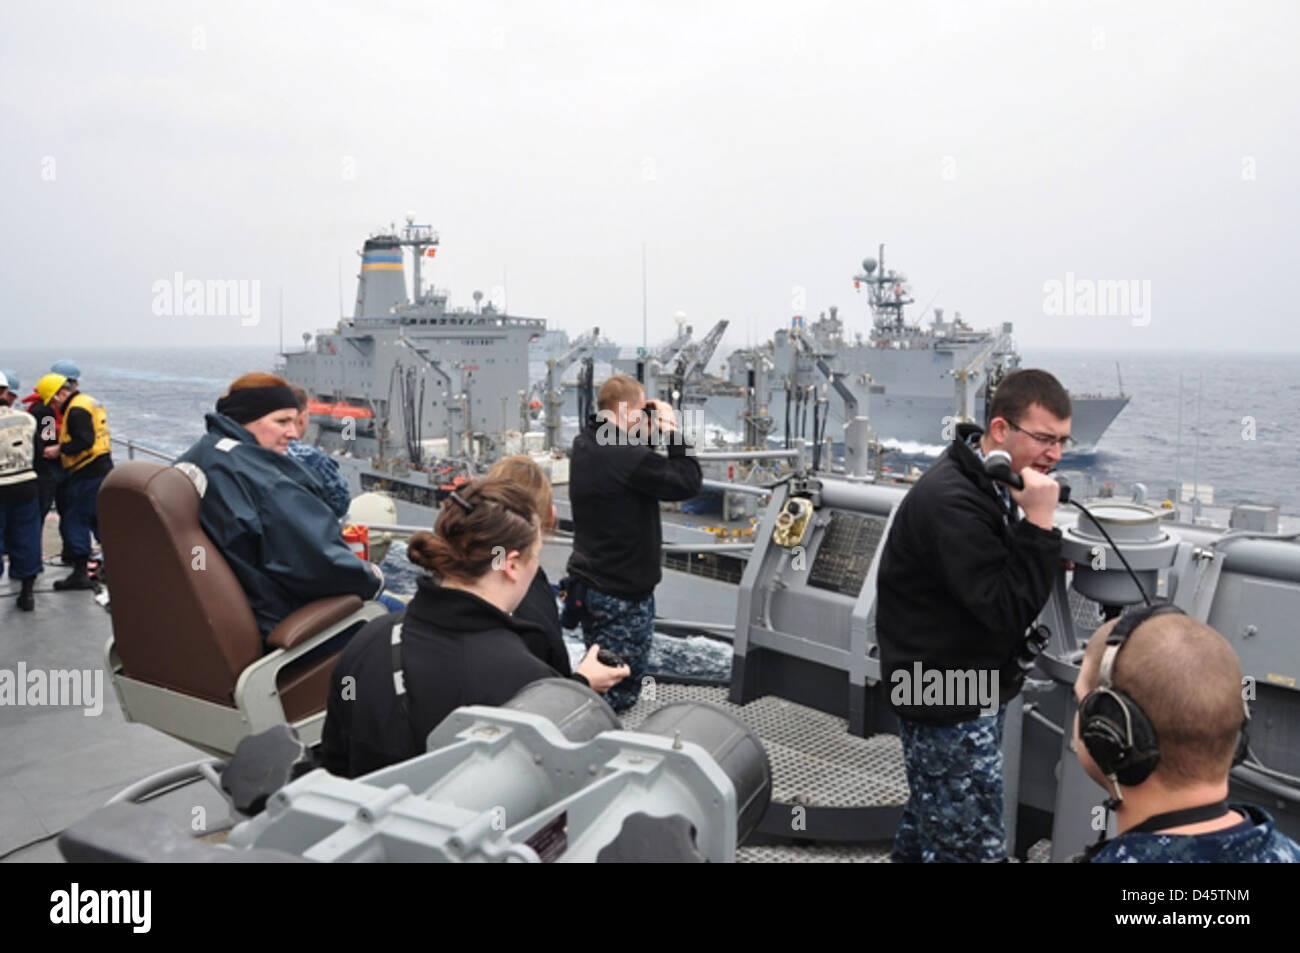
{"x": 617, "y": 480}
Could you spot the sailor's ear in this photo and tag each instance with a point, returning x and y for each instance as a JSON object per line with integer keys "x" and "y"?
{"x": 511, "y": 562}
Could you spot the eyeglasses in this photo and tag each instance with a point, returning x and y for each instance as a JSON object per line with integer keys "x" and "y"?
{"x": 1046, "y": 439}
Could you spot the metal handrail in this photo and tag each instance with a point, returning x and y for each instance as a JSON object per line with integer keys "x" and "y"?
{"x": 399, "y": 529}
{"x": 728, "y": 487}
{"x": 132, "y": 448}
{"x": 707, "y": 547}
{"x": 746, "y": 454}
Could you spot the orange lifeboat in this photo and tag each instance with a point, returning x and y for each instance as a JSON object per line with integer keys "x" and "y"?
{"x": 321, "y": 408}
{"x": 354, "y": 411}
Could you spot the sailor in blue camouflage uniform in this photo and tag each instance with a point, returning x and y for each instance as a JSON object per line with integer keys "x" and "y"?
{"x": 954, "y": 772}
{"x": 337, "y": 494}
{"x": 962, "y": 578}
{"x": 617, "y": 480}
{"x": 1182, "y": 685}
{"x": 1254, "y": 840}
{"x": 620, "y": 625}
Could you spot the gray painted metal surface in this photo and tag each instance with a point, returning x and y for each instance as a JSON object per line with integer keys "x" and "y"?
{"x": 804, "y": 632}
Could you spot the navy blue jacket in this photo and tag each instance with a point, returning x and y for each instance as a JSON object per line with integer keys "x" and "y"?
{"x": 268, "y": 516}
{"x": 960, "y": 581}
{"x": 614, "y": 490}
{"x": 546, "y": 638}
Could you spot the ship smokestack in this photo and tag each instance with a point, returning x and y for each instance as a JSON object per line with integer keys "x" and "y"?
{"x": 382, "y": 283}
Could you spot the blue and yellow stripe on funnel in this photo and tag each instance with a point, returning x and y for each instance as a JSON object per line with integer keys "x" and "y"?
{"x": 376, "y": 261}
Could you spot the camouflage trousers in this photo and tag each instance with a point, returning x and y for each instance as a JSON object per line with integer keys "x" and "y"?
{"x": 625, "y": 628}
{"x": 954, "y": 813}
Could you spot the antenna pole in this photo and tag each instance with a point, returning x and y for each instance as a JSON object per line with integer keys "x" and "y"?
{"x": 1178, "y": 446}
{"x": 282, "y": 319}
{"x": 417, "y": 252}
{"x": 1196, "y": 455}
{"x": 644, "y": 306}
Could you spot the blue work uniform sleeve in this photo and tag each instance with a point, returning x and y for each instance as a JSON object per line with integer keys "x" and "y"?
{"x": 337, "y": 493}
{"x": 325, "y": 469}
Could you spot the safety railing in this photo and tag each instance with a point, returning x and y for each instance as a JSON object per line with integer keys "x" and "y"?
{"x": 132, "y": 448}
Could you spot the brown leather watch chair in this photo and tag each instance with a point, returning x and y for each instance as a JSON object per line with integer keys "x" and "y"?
{"x": 186, "y": 656}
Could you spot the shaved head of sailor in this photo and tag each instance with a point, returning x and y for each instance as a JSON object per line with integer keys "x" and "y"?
{"x": 1186, "y": 679}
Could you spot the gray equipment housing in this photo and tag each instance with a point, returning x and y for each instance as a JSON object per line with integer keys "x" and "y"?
{"x": 510, "y": 784}
{"x": 805, "y": 616}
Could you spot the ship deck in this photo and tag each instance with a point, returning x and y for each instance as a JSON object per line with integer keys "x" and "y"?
{"x": 60, "y": 764}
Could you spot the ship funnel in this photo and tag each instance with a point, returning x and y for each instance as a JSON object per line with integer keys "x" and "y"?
{"x": 382, "y": 283}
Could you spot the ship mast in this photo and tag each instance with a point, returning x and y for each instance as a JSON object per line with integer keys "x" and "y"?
{"x": 887, "y": 295}
{"x": 419, "y": 238}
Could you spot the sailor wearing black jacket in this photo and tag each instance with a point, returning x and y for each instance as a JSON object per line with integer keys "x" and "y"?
{"x": 456, "y": 644}
{"x": 544, "y": 635}
{"x": 545, "y": 638}
{"x": 616, "y": 483}
{"x": 962, "y": 576}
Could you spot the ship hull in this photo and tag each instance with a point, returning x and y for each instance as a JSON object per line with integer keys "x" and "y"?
{"x": 913, "y": 422}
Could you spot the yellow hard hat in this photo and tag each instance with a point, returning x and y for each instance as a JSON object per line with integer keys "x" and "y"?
{"x": 49, "y": 385}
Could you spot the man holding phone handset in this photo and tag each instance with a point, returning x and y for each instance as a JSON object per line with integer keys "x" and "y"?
{"x": 617, "y": 481}
{"x": 966, "y": 568}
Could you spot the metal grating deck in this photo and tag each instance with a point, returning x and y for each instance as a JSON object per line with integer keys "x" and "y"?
{"x": 822, "y": 854}
{"x": 815, "y": 761}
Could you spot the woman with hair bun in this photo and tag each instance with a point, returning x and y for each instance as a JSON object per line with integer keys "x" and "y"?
{"x": 457, "y": 643}
{"x": 538, "y": 605}
{"x": 266, "y": 513}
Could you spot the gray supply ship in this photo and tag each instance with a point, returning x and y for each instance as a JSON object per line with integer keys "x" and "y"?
{"x": 912, "y": 381}
{"x": 414, "y": 397}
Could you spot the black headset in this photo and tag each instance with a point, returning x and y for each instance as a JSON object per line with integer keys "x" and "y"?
{"x": 1114, "y": 728}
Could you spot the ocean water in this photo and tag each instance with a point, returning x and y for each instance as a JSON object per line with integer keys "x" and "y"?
{"x": 1229, "y": 421}
{"x": 1234, "y": 426}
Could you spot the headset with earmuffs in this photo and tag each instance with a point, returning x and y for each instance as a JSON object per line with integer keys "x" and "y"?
{"x": 1116, "y": 731}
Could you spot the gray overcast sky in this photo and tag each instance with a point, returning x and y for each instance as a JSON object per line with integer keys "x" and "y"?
{"x": 756, "y": 148}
